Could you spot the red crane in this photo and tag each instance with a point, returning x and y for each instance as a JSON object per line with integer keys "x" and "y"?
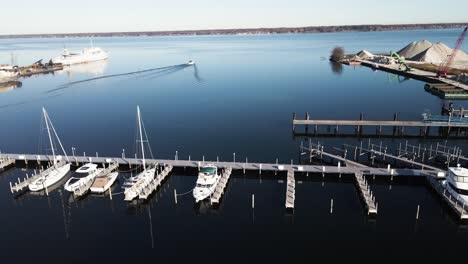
{"x": 444, "y": 66}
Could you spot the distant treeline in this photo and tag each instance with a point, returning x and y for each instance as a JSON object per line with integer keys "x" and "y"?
{"x": 284, "y": 30}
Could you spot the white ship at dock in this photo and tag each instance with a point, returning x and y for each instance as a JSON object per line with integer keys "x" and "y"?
{"x": 84, "y": 56}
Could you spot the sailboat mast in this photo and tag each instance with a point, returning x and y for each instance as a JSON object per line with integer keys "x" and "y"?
{"x": 48, "y": 132}
{"x": 141, "y": 136}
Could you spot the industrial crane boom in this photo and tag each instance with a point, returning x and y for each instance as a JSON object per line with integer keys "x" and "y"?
{"x": 444, "y": 66}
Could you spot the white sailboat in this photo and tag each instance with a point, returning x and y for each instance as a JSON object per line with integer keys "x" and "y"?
{"x": 135, "y": 184}
{"x": 59, "y": 167}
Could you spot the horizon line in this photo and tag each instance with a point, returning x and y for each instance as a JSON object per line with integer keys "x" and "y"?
{"x": 207, "y": 30}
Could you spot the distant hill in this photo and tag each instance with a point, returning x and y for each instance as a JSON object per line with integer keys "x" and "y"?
{"x": 249, "y": 31}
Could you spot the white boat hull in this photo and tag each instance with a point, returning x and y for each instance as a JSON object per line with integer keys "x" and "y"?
{"x": 202, "y": 193}
{"x": 458, "y": 185}
{"x": 50, "y": 179}
{"x": 87, "y": 55}
{"x": 81, "y": 182}
{"x": 110, "y": 181}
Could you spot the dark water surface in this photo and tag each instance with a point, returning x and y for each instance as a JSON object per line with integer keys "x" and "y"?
{"x": 239, "y": 99}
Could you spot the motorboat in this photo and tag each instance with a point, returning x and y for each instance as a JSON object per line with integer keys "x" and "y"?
{"x": 191, "y": 62}
{"x": 457, "y": 178}
{"x": 105, "y": 179}
{"x": 207, "y": 181}
{"x": 86, "y": 55}
{"x": 82, "y": 176}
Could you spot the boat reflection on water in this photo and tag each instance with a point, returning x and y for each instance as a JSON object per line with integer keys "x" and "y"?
{"x": 8, "y": 86}
{"x": 93, "y": 69}
{"x": 204, "y": 207}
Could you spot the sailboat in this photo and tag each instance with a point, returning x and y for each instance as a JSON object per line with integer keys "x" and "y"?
{"x": 59, "y": 167}
{"x": 135, "y": 184}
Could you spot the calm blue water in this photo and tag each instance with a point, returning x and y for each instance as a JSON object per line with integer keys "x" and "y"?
{"x": 239, "y": 99}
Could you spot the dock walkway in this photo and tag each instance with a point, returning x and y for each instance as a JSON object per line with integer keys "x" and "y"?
{"x": 84, "y": 188}
{"x": 290, "y": 190}
{"x": 23, "y": 184}
{"x": 6, "y": 163}
{"x": 274, "y": 167}
{"x": 219, "y": 191}
{"x": 366, "y": 194}
{"x": 155, "y": 183}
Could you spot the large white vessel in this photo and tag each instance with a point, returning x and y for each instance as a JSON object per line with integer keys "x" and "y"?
{"x": 59, "y": 167}
{"x": 86, "y": 55}
{"x": 82, "y": 175}
{"x": 7, "y": 74}
{"x": 207, "y": 181}
{"x": 457, "y": 178}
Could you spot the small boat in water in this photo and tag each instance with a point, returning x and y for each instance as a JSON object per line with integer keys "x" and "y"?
{"x": 207, "y": 181}
{"x": 86, "y": 55}
{"x": 103, "y": 183}
{"x": 82, "y": 176}
{"x": 191, "y": 62}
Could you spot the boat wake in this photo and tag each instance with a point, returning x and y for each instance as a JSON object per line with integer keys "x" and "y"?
{"x": 157, "y": 70}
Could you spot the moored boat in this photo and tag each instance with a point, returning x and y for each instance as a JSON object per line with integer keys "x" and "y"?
{"x": 82, "y": 175}
{"x": 207, "y": 181}
{"x": 86, "y": 55}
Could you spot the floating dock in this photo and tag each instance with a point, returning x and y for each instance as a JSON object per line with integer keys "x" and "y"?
{"x": 24, "y": 183}
{"x": 6, "y": 163}
{"x": 290, "y": 190}
{"x": 274, "y": 167}
{"x": 446, "y": 91}
{"x": 219, "y": 191}
{"x": 84, "y": 188}
{"x": 155, "y": 183}
{"x": 366, "y": 194}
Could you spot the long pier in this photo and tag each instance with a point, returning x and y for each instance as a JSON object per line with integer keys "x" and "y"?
{"x": 250, "y": 166}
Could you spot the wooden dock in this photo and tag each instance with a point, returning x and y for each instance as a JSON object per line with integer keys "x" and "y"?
{"x": 290, "y": 190}
{"x": 446, "y": 91}
{"x": 366, "y": 194}
{"x": 23, "y": 184}
{"x": 84, "y": 188}
{"x": 6, "y": 163}
{"x": 219, "y": 191}
{"x": 378, "y": 123}
{"x": 155, "y": 183}
{"x": 259, "y": 167}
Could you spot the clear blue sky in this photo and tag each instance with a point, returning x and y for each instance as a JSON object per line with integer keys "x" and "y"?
{"x": 62, "y": 16}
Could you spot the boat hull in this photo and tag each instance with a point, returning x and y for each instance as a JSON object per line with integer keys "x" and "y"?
{"x": 202, "y": 193}
{"x": 52, "y": 178}
{"x": 110, "y": 179}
